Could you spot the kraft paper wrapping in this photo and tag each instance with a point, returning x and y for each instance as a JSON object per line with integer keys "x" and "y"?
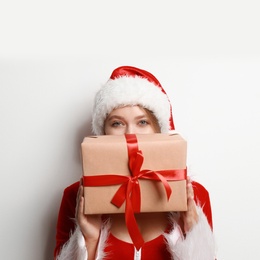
{"x": 105, "y": 155}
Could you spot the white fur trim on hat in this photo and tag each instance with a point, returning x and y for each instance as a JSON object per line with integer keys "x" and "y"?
{"x": 129, "y": 90}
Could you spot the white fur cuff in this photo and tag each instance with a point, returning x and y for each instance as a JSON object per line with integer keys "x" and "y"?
{"x": 75, "y": 248}
{"x": 199, "y": 243}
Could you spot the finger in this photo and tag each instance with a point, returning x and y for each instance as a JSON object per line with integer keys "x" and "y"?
{"x": 81, "y": 206}
{"x": 80, "y": 210}
{"x": 191, "y": 216}
{"x": 80, "y": 192}
{"x": 79, "y": 196}
{"x": 190, "y": 192}
{"x": 191, "y": 205}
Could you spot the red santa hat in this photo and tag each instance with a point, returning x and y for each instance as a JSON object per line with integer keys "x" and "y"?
{"x": 132, "y": 86}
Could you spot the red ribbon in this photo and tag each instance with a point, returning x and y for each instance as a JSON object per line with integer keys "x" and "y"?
{"x": 129, "y": 190}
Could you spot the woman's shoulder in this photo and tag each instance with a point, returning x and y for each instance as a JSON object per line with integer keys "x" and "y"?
{"x": 72, "y": 189}
{"x": 69, "y": 198}
{"x": 202, "y": 198}
{"x": 199, "y": 189}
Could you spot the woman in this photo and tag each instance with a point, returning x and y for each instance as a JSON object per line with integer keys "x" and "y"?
{"x": 133, "y": 101}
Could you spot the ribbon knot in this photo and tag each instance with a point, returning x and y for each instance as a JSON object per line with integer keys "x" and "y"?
{"x": 134, "y": 179}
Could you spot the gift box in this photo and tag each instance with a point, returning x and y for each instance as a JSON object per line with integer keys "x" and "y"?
{"x": 148, "y": 170}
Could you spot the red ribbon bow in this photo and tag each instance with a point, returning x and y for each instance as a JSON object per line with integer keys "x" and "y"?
{"x": 129, "y": 190}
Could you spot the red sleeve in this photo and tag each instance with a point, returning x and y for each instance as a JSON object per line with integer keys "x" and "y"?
{"x": 66, "y": 224}
{"x": 201, "y": 197}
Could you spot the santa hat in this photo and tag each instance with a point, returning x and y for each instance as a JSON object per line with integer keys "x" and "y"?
{"x": 132, "y": 86}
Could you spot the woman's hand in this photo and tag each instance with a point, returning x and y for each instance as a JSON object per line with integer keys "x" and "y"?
{"x": 190, "y": 217}
{"x": 90, "y": 225}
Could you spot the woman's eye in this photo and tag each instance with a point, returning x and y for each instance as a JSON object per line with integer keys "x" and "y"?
{"x": 143, "y": 122}
{"x": 116, "y": 123}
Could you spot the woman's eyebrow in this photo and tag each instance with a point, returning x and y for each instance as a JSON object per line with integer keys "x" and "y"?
{"x": 115, "y": 117}
{"x": 141, "y": 116}
{"x": 112, "y": 117}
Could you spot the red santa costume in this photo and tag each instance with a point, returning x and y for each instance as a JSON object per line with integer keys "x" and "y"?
{"x": 132, "y": 86}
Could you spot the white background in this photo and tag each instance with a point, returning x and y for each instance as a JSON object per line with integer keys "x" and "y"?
{"x": 54, "y": 55}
